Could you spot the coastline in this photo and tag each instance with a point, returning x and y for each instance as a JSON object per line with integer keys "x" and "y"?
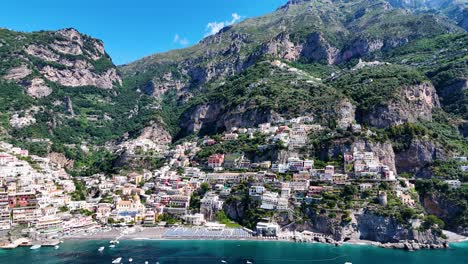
{"x": 156, "y": 234}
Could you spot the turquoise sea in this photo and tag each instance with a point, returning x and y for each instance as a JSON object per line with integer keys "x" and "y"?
{"x": 193, "y": 252}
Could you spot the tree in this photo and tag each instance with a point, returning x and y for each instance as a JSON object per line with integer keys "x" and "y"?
{"x": 204, "y": 188}
{"x": 180, "y": 171}
{"x": 431, "y": 220}
{"x": 350, "y": 191}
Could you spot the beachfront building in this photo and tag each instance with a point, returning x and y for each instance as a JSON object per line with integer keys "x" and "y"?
{"x": 150, "y": 218}
{"x": 210, "y": 205}
{"x": 195, "y": 219}
{"x": 267, "y": 229}
{"x": 49, "y": 226}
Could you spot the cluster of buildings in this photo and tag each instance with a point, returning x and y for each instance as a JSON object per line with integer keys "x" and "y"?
{"x": 33, "y": 195}
{"x": 41, "y": 197}
{"x": 367, "y": 164}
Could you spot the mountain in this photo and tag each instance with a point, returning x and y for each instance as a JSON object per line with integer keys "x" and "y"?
{"x": 332, "y": 32}
{"x": 381, "y": 64}
{"x": 452, "y": 9}
{"x": 60, "y": 92}
{"x": 384, "y": 65}
{"x": 388, "y": 78}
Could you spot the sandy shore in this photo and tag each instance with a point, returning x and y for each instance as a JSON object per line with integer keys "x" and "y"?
{"x": 156, "y": 233}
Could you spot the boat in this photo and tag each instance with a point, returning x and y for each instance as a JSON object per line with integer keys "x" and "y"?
{"x": 112, "y": 246}
{"x": 117, "y": 260}
{"x": 223, "y": 261}
{"x": 101, "y": 249}
{"x": 57, "y": 247}
{"x": 248, "y": 262}
{"x": 130, "y": 260}
{"x": 347, "y": 262}
{"x": 35, "y": 247}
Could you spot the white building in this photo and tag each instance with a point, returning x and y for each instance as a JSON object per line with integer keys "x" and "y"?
{"x": 453, "y": 184}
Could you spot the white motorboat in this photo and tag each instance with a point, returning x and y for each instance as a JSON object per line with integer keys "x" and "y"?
{"x": 348, "y": 262}
{"x": 101, "y": 249}
{"x": 112, "y": 246}
{"x": 130, "y": 260}
{"x": 57, "y": 247}
{"x": 35, "y": 247}
{"x": 223, "y": 261}
{"x": 248, "y": 262}
{"x": 116, "y": 261}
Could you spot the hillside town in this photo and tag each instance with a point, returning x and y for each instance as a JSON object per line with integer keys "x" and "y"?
{"x": 187, "y": 197}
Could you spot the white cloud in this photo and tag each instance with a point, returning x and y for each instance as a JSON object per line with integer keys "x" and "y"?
{"x": 214, "y": 27}
{"x": 180, "y": 40}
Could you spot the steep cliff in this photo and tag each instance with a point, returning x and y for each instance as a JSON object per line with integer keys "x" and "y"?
{"x": 414, "y": 103}
{"x": 59, "y": 91}
{"x": 331, "y": 32}
{"x": 418, "y": 156}
{"x": 64, "y": 57}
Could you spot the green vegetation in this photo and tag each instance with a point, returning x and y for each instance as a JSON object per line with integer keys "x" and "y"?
{"x": 222, "y": 218}
{"x": 243, "y": 144}
{"x": 375, "y": 86}
{"x": 240, "y": 198}
{"x": 80, "y": 192}
{"x": 443, "y": 59}
{"x": 454, "y": 200}
{"x": 169, "y": 219}
{"x": 197, "y": 195}
{"x": 449, "y": 170}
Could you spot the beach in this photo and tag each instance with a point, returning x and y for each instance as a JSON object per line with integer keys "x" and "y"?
{"x": 158, "y": 233}
{"x": 238, "y": 252}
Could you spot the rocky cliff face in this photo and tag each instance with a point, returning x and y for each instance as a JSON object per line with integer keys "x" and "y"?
{"x": 315, "y": 48}
{"x": 65, "y": 57}
{"x": 332, "y": 32}
{"x": 412, "y": 104}
{"x": 383, "y": 151}
{"x": 131, "y": 152}
{"x": 364, "y": 225}
{"x": 438, "y": 205}
{"x": 209, "y": 118}
{"x": 387, "y": 230}
{"x": 416, "y": 158}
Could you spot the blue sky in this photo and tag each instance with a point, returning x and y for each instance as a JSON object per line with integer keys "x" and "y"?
{"x": 132, "y": 29}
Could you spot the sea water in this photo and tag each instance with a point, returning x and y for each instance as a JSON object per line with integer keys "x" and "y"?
{"x": 193, "y": 252}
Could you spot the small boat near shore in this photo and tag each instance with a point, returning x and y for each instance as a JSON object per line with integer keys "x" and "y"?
{"x": 57, "y": 247}
{"x": 112, "y": 246}
{"x": 100, "y": 249}
{"x": 35, "y": 247}
{"x": 117, "y": 260}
